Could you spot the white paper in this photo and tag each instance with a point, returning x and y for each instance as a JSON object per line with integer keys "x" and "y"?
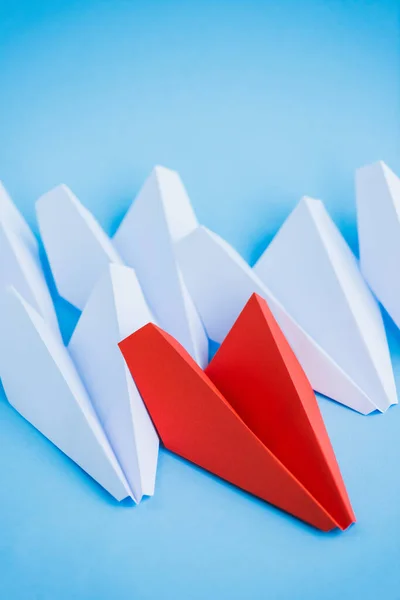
{"x": 158, "y": 218}
{"x": 221, "y": 282}
{"x": 378, "y": 221}
{"x": 310, "y": 269}
{"x": 20, "y": 267}
{"x": 77, "y": 248}
{"x": 115, "y": 309}
{"x": 11, "y": 218}
{"x": 42, "y": 384}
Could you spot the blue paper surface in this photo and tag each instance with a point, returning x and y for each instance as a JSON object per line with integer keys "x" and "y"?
{"x": 255, "y": 104}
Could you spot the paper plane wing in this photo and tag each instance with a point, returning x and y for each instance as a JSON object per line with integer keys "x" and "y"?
{"x": 221, "y": 282}
{"x": 42, "y": 384}
{"x": 159, "y": 217}
{"x": 11, "y": 218}
{"x": 325, "y": 376}
{"x": 20, "y": 267}
{"x": 77, "y": 247}
{"x": 310, "y": 269}
{"x": 195, "y": 421}
{"x": 115, "y": 309}
{"x": 257, "y": 372}
{"x": 378, "y": 222}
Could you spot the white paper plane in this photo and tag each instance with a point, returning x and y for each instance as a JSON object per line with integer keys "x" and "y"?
{"x": 11, "y": 218}
{"x": 20, "y": 267}
{"x": 221, "y": 282}
{"x": 20, "y": 264}
{"x": 42, "y": 384}
{"x": 115, "y": 309}
{"x": 378, "y": 222}
{"x": 159, "y": 217}
{"x": 77, "y": 247}
{"x": 310, "y": 269}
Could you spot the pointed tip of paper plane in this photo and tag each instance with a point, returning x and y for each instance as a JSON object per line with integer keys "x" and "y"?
{"x": 55, "y": 198}
{"x": 59, "y": 188}
{"x": 255, "y": 301}
{"x": 311, "y": 204}
{"x": 12, "y": 218}
{"x": 159, "y": 217}
{"x": 58, "y": 193}
{"x": 174, "y": 200}
{"x": 309, "y": 201}
{"x": 375, "y": 169}
{"x": 314, "y": 207}
{"x": 77, "y": 247}
{"x": 161, "y": 171}
{"x": 148, "y": 329}
{"x": 377, "y": 164}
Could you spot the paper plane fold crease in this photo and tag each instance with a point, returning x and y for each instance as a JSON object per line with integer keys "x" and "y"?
{"x": 310, "y": 269}
{"x": 221, "y": 282}
{"x": 11, "y": 218}
{"x": 20, "y": 265}
{"x": 251, "y": 418}
{"x": 77, "y": 248}
{"x": 159, "y": 217}
{"x": 378, "y": 222}
{"x": 115, "y": 309}
{"x": 41, "y": 383}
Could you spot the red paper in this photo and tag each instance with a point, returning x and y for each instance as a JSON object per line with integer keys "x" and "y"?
{"x": 197, "y": 422}
{"x": 257, "y": 372}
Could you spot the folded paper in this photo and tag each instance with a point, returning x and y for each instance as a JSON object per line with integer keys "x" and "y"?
{"x": 378, "y": 222}
{"x": 115, "y": 309}
{"x": 257, "y": 372}
{"x": 310, "y": 269}
{"x": 159, "y": 217}
{"x": 77, "y": 248}
{"x": 11, "y": 218}
{"x": 20, "y": 267}
{"x": 20, "y": 264}
{"x": 221, "y": 282}
{"x": 252, "y": 418}
{"x": 42, "y": 384}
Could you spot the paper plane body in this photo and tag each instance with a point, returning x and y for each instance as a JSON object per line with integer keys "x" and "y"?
{"x": 115, "y": 309}
{"x": 257, "y": 372}
{"x": 195, "y": 421}
{"x": 310, "y": 269}
{"x": 20, "y": 268}
{"x": 221, "y": 282}
{"x": 20, "y": 265}
{"x": 42, "y": 384}
{"x": 378, "y": 222}
{"x": 77, "y": 248}
{"x": 11, "y": 218}
{"x": 158, "y": 218}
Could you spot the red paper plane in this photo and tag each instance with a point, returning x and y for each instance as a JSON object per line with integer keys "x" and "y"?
{"x": 257, "y": 372}
{"x": 248, "y": 436}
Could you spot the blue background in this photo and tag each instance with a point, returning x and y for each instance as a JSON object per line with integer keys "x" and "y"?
{"x": 255, "y": 104}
